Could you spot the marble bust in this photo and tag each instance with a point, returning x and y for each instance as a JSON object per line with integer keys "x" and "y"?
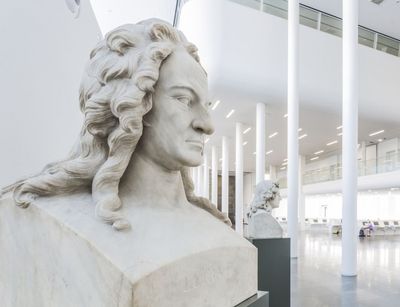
{"x": 144, "y": 97}
{"x": 261, "y": 223}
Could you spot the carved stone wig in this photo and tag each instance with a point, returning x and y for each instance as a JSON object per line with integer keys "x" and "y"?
{"x": 115, "y": 93}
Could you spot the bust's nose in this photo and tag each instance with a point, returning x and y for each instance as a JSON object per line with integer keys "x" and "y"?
{"x": 203, "y": 123}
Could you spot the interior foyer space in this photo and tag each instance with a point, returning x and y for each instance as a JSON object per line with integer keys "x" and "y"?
{"x": 303, "y": 93}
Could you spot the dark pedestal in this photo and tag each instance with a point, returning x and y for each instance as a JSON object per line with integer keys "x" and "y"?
{"x": 274, "y": 269}
{"x": 258, "y": 300}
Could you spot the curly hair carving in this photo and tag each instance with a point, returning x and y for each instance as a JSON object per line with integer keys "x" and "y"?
{"x": 115, "y": 93}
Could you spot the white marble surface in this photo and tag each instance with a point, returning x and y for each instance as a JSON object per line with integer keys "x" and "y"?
{"x": 145, "y": 99}
{"x": 263, "y": 225}
{"x": 55, "y": 253}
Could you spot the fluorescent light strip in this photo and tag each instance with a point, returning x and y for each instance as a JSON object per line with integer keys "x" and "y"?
{"x": 247, "y": 130}
{"x": 273, "y": 134}
{"x": 215, "y": 104}
{"x": 269, "y": 152}
{"x": 284, "y": 160}
{"x": 230, "y": 113}
{"x": 340, "y": 127}
{"x": 284, "y": 163}
{"x": 331, "y": 143}
{"x": 315, "y": 158}
{"x": 283, "y": 168}
{"x": 340, "y": 134}
{"x": 300, "y": 129}
{"x": 302, "y": 136}
{"x": 254, "y": 153}
{"x": 206, "y": 141}
{"x": 318, "y": 152}
{"x": 244, "y": 143}
{"x": 285, "y": 116}
{"x": 377, "y": 132}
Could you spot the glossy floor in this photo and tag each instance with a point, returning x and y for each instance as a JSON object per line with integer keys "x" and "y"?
{"x": 316, "y": 276}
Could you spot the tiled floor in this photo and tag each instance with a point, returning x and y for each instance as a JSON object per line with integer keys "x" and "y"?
{"x": 316, "y": 276}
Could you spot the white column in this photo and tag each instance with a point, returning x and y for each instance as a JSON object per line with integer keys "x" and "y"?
{"x": 225, "y": 176}
{"x": 214, "y": 176}
{"x": 194, "y": 171}
{"x": 260, "y": 143}
{"x": 350, "y": 135}
{"x": 302, "y": 201}
{"x": 200, "y": 180}
{"x": 206, "y": 178}
{"x": 293, "y": 123}
{"x": 239, "y": 180}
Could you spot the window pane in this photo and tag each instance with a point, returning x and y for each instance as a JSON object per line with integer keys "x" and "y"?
{"x": 331, "y": 25}
{"x": 308, "y": 17}
{"x": 366, "y": 37}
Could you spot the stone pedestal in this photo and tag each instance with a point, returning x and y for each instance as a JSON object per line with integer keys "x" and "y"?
{"x": 56, "y": 253}
{"x": 274, "y": 269}
{"x": 261, "y": 299}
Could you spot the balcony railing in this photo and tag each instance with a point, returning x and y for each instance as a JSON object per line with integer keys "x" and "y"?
{"x": 334, "y": 172}
{"x": 325, "y": 22}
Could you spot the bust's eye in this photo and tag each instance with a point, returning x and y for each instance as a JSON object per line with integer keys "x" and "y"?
{"x": 184, "y": 99}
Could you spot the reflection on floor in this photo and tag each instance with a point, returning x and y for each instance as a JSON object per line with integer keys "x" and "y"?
{"x": 317, "y": 281}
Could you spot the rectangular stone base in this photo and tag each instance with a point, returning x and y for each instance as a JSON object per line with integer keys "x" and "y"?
{"x": 261, "y": 299}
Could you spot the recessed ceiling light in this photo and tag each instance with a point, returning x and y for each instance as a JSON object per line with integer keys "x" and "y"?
{"x": 269, "y": 152}
{"x": 340, "y": 127}
{"x": 331, "y": 143}
{"x": 285, "y": 116}
{"x": 273, "y": 134}
{"x": 380, "y": 140}
{"x": 300, "y": 129}
{"x": 318, "y": 152}
{"x": 377, "y": 132}
{"x": 215, "y": 104}
{"x": 206, "y": 140}
{"x": 302, "y": 136}
{"x": 230, "y": 113}
{"x": 315, "y": 158}
{"x": 247, "y": 130}
{"x": 244, "y": 143}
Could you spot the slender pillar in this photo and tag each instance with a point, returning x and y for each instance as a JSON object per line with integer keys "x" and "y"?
{"x": 293, "y": 123}
{"x": 194, "y": 171}
{"x": 239, "y": 180}
{"x": 350, "y": 135}
{"x": 200, "y": 180}
{"x": 302, "y": 200}
{"x": 260, "y": 143}
{"x": 214, "y": 176}
{"x": 206, "y": 178}
{"x": 225, "y": 176}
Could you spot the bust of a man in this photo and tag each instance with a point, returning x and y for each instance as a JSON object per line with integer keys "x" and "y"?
{"x": 261, "y": 223}
{"x": 144, "y": 97}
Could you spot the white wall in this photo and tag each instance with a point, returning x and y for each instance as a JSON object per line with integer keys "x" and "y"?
{"x": 44, "y": 50}
{"x": 113, "y": 13}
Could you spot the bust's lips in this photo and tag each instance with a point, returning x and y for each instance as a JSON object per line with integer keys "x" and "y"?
{"x": 197, "y": 143}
